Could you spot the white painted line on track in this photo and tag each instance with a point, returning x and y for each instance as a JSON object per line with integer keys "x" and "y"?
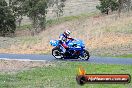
{"x": 20, "y": 59}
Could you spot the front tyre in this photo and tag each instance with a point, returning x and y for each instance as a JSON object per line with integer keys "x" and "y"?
{"x": 56, "y": 53}
{"x": 85, "y": 55}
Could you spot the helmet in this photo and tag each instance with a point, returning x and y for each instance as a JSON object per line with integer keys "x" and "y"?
{"x": 67, "y": 32}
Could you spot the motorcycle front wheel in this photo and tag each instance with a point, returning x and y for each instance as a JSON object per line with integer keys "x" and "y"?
{"x": 85, "y": 55}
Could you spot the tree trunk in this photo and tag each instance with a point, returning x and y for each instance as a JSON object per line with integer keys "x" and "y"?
{"x": 120, "y": 6}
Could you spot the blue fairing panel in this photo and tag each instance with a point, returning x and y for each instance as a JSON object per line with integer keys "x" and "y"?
{"x": 79, "y": 43}
{"x": 54, "y": 42}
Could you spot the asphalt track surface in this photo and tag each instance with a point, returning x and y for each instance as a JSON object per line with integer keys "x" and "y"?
{"x": 93, "y": 59}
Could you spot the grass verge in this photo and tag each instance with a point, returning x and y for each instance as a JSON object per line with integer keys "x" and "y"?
{"x": 117, "y": 56}
{"x": 62, "y": 76}
{"x": 125, "y": 56}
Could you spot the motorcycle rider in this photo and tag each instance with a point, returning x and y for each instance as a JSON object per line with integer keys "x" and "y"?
{"x": 63, "y": 38}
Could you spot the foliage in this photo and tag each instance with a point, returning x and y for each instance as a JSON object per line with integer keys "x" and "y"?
{"x": 36, "y": 10}
{"x": 58, "y": 6}
{"x": 107, "y": 5}
{"x": 7, "y": 19}
{"x": 17, "y": 8}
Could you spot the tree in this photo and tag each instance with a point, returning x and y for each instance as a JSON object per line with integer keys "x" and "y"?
{"x": 58, "y": 6}
{"x": 36, "y": 11}
{"x": 114, "y": 5}
{"x": 125, "y": 4}
{"x": 108, "y": 5}
{"x": 17, "y": 10}
{"x": 7, "y": 20}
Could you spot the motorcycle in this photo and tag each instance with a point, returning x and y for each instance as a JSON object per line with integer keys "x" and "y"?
{"x": 76, "y": 50}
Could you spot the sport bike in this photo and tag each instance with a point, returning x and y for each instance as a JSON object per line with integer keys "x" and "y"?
{"x": 76, "y": 50}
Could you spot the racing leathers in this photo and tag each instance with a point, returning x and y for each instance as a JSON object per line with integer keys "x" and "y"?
{"x": 62, "y": 40}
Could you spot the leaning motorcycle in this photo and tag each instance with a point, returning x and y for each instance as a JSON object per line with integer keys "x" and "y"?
{"x": 76, "y": 50}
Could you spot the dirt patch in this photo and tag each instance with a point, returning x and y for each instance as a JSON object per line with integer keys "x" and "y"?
{"x": 15, "y": 66}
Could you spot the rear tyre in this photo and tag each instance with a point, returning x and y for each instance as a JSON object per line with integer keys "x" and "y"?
{"x": 56, "y": 52}
{"x": 85, "y": 55}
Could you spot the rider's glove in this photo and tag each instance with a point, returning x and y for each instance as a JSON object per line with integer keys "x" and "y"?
{"x": 60, "y": 42}
{"x": 72, "y": 39}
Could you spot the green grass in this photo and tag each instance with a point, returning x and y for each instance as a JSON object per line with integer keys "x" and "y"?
{"x": 62, "y": 76}
{"x": 24, "y": 27}
{"x": 117, "y": 56}
{"x": 69, "y": 18}
{"x": 125, "y": 56}
{"x": 60, "y": 20}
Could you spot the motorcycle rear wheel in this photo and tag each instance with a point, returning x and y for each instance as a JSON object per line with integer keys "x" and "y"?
{"x": 56, "y": 52}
